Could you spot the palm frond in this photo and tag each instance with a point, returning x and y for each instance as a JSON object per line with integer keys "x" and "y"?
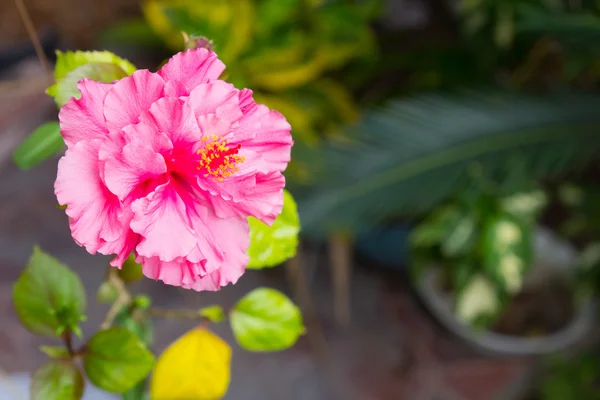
{"x": 407, "y": 157}
{"x": 573, "y": 29}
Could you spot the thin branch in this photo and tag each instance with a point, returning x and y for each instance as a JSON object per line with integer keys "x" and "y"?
{"x": 168, "y": 313}
{"x": 33, "y": 36}
{"x": 68, "y": 339}
{"x": 123, "y": 298}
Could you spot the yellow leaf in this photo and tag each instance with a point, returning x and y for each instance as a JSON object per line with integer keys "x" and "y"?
{"x": 299, "y": 117}
{"x": 196, "y": 366}
{"x": 229, "y": 23}
{"x": 290, "y": 76}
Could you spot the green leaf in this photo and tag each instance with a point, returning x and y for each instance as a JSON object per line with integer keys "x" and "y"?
{"x": 48, "y": 297}
{"x": 525, "y": 206}
{"x": 101, "y": 66}
{"x": 138, "y": 392}
{"x": 266, "y": 320}
{"x": 141, "y": 327}
{"x": 54, "y": 351}
{"x": 272, "y": 245}
{"x": 116, "y": 360}
{"x": 57, "y": 380}
{"x": 478, "y": 299}
{"x": 436, "y": 227}
{"x": 413, "y": 154}
{"x": 461, "y": 238}
{"x": 213, "y": 313}
{"x": 40, "y": 145}
{"x": 507, "y": 251}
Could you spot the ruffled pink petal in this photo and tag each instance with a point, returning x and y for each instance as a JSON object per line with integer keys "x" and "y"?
{"x": 231, "y": 236}
{"x": 266, "y": 132}
{"x": 83, "y": 119}
{"x": 259, "y": 195}
{"x": 134, "y": 165}
{"x": 131, "y": 97}
{"x": 92, "y": 209}
{"x": 161, "y": 219}
{"x": 175, "y": 118}
{"x": 210, "y": 124}
{"x": 186, "y": 70}
{"x": 217, "y": 97}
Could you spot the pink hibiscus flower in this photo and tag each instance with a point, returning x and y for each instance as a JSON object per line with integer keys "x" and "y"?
{"x": 170, "y": 165}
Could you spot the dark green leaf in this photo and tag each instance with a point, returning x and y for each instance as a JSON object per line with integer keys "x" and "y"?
{"x": 266, "y": 320}
{"x": 116, "y": 360}
{"x": 48, "y": 297}
{"x": 57, "y": 380}
{"x": 436, "y": 227}
{"x": 42, "y": 144}
{"x": 413, "y": 154}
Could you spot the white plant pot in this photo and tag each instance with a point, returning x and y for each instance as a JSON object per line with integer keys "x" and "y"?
{"x": 552, "y": 257}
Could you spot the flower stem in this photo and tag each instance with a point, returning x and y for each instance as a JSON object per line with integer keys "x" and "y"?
{"x": 123, "y": 298}
{"x": 169, "y": 313}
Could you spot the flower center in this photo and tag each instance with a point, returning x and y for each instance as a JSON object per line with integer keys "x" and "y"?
{"x": 217, "y": 159}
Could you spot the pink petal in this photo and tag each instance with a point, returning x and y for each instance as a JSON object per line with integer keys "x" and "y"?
{"x": 136, "y": 164}
{"x": 210, "y": 124}
{"x": 162, "y": 221}
{"x": 130, "y": 97}
{"x": 93, "y": 211}
{"x": 176, "y": 119}
{"x": 219, "y": 98}
{"x": 266, "y": 132}
{"x": 231, "y": 236}
{"x": 186, "y": 70}
{"x": 259, "y": 195}
{"x": 83, "y": 119}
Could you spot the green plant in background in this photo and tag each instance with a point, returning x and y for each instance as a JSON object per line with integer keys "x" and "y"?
{"x": 575, "y": 378}
{"x": 51, "y": 301}
{"x": 283, "y": 51}
{"x": 582, "y": 227}
{"x": 482, "y": 245}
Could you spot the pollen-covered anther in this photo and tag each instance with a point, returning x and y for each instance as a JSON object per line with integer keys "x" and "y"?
{"x": 217, "y": 159}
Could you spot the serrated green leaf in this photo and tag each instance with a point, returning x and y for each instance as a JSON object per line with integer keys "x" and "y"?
{"x": 57, "y": 380}
{"x": 272, "y": 245}
{"x": 101, "y": 66}
{"x": 48, "y": 296}
{"x": 116, "y": 360}
{"x": 213, "y": 313}
{"x": 142, "y": 327}
{"x": 266, "y": 320}
{"x": 40, "y": 145}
